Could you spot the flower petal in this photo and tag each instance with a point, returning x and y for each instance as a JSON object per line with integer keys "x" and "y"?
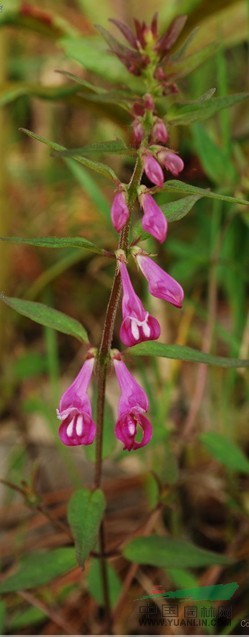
{"x": 161, "y": 284}
{"x": 127, "y": 429}
{"x": 132, "y": 394}
{"x": 154, "y": 222}
{"x": 77, "y": 429}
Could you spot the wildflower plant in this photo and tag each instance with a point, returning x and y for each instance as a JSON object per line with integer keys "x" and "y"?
{"x": 154, "y": 63}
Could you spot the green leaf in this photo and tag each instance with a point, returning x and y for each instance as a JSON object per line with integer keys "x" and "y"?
{"x": 95, "y": 583}
{"x": 189, "y": 113}
{"x": 10, "y": 91}
{"x": 91, "y": 52}
{"x": 81, "y": 81}
{"x": 2, "y": 616}
{"x": 89, "y": 185}
{"x": 179, "y": 186}
{"x": 216, "y": 160}
{"x": 184, "y": 353}
{"x": 56, "y": 242}
{"x": 47, "y": 316}
{"x": 225, "y": 451}
{"x": 170, "y": 553}
{"x": 183, "y": 67}
{"x": 26, "y": 617}
{"x": 176, "y": 210}
{"x": 85, "y": 512}
{"x": 37, "y": 569}
{"x": 116, "y": 146}
{"x": 102, "y": 169}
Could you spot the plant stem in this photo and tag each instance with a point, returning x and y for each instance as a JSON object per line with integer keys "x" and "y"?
{"x": 107, "y": 335}
{"x": 103, "y": 358}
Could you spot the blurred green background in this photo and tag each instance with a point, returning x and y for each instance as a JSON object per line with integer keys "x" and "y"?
{"x": 200, "y": 415}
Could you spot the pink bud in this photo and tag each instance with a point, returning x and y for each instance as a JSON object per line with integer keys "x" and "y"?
{"x": 159, "y": 132}
{"x": 153, "y": 169}
{"x": 149, "y": 103}
{"x": 171, "y": 161}
{"x": 154, "y": 222}
{"x": 119, "y": 211}
{"x": 137, "y": 325}
{"x": 161, "y": 284}
{"x": 138, "y": 132}
{"x": 133, "y": 403}
{"x": 75, "y": 412}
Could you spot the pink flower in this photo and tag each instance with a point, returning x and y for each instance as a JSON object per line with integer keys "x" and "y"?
{"x": 161, "y": 284}
{"x": 153, "y": 169}
{"x": 138, "y": 325}
{"x": 154, "y": 220}
{"x": 133, "y": 403}
{"x": 119, "y": 211}
{"x": 77, "y": 427}
{"x": 159, "y": 132}
{"x": 171, "y": 161}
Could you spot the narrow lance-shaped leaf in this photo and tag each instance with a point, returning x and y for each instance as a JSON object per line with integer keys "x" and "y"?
{"x": 91, "y": 52}
{"x": 176, "y": 210}
{"x": 56, "y": 242}
{"x": 189, "y": 113}
{"x": 170, "y": 553}
{"x": 98, "y": 167}
{"x": 116, "y": 146}
{"x": 182, "y": 67}
{"x": 47, "y": 316}
{"x": 174, "y": 185}
{"x": 85, "y": 512}
{"x": 225, "y": 451}
{"x": 39, "y": 568}
{"x": 95, "y": 583}
{"x": 184, "y": 353}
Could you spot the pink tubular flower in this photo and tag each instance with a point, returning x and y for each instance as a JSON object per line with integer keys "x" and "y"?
{"x": 154, "y": 222}
{"x": 161, "y": 284}
{"x": 153, "y": 169}
{"x": 137, "y": 325}
{"x": 77, "y": 427}
{"x": 133, "y": 403}
{"x": 171, "y": 161}
{"x": 159, "y": 132}
{"x": 119, "y": 211}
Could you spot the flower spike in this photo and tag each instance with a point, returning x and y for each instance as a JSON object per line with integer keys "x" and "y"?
{"x": 137, "y": 325}
{"x": 161, "y": 284}
{"x": 133, "y": 403}
{"x": 75, "y": 412}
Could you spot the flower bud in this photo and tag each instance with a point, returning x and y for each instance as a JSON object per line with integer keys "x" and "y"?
{"x": 171, "y": 161}
{"x": 159, "y": 132}
{"x": 119, "y": 211}
{"x": 153, "y": 169}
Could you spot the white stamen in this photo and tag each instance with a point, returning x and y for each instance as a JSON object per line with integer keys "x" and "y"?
{"x": 135, "y": 324}
{"x": 131, "y": 428}
{"x": 79, "y": 426}
{"x": 70, "y": 429}
{"x": 134, "y": 329}
{"x": 146, "y": 329}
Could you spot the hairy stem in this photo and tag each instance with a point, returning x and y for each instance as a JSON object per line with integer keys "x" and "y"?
{"x": 103, "y": 358}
